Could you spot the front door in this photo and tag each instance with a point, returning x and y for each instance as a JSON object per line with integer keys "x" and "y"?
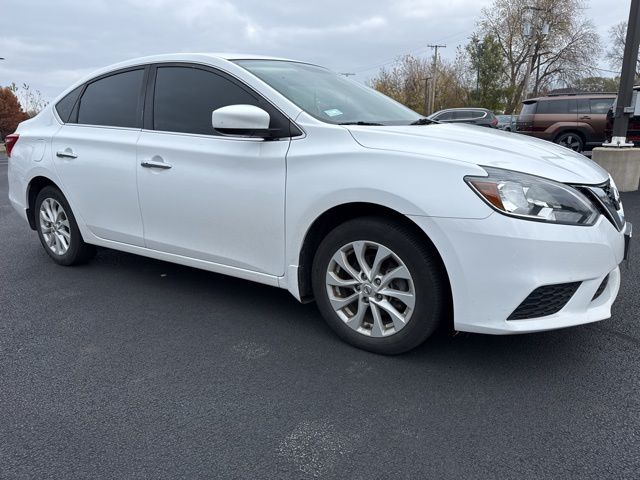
{"x": 206, "y": 196}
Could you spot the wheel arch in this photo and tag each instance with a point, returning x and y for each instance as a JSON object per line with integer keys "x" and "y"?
{"x": 575, "y": 130}
{"x": 340, "y": 214}
{"x": 36, "y": 184}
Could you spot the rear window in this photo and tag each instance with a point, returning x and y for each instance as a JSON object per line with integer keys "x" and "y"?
{"x": 529, "y": 108}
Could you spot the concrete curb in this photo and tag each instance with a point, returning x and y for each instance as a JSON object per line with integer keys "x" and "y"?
{"x": 622, "y": 163}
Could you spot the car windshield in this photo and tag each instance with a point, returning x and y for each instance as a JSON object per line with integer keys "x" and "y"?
{"x": 328, "y": 96}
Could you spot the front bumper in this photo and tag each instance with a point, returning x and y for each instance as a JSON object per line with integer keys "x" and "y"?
{"x": 495, "y": 263}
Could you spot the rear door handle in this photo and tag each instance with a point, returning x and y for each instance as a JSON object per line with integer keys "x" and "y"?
{"x": 586, "y": 117}
{"x": 67, "y": 153}
{"x": 156, "y": 164}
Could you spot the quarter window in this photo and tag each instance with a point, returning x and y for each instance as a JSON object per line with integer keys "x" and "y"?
{"x": 185, "y": 98}
{"x": 601, "y": 105}
{"x": 113, "y": 101}
{"x": 65, "y": 106}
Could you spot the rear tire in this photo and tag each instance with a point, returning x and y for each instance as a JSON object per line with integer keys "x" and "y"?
{"x": 58, "y": 229}
{"x": 572, "y": 141}
{"x": 403, "y": 278}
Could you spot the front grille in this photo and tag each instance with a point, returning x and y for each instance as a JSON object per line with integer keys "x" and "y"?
{"x": 601, "y": 288}
{"x": 608, "y": 189}
{"x": 603, "y": 197}
{"x": 544, "y": 301}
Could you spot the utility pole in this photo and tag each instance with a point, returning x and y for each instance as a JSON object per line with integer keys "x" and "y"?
{"x": 426, "y": 96}
{"x": 434, "y": 75}
{"x": 535, "y": 32}
{"x": 624, "y": 107}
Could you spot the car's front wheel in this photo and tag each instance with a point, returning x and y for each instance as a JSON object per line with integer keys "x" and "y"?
{"x": 58, "y": 230}
{"x": 379, "y": 285}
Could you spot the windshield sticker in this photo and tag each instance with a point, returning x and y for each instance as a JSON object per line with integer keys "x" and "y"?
{"x": 334, "y": 112}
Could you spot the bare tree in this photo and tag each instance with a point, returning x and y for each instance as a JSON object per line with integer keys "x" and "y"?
{"x": 405, "y": 82}
{"x": 32, "y": 101}
{"x": 617, "y": 41}
{"x": 559, "y": 56}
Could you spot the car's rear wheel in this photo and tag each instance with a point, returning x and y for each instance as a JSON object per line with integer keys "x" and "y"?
{"x": 572, "y": 141}
{"x": 58, "y": 230}
{"x": 379, "y": 286}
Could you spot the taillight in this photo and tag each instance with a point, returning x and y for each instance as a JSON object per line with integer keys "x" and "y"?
{"x": 10, "y": 141}
{"x": 494, "y": 122}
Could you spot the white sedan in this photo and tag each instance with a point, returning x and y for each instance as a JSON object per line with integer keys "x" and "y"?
{"x": 288, "y": 174}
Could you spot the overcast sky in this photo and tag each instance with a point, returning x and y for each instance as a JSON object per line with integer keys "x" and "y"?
{"x": 51, "y": 43}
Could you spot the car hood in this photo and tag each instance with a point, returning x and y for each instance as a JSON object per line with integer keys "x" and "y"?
{"x": 484, "y": 146}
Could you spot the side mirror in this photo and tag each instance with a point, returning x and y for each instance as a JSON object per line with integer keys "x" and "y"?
{"x": 242, "y": 121}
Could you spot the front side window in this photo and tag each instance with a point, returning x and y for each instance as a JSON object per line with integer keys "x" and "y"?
{"x": 185, "y": 98}
{"x": 328, "y": 96}
{"x": 113, "y": 101}
{"x": 445, "y": 116}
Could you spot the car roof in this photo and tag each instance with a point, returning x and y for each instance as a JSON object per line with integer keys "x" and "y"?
{"x": 569, "y": 96}
{"x": 193, "y": 57}
{"x": 477, "y": 109}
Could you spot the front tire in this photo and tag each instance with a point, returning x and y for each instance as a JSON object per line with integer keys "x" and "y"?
{"x": 379, "y": 286}
{"x": 58, "y": 229}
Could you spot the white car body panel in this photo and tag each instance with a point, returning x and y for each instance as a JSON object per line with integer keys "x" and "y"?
{"x": 213, "y": 182}
{"x": 105, "y": 164}
{"x": 243, "y": 207}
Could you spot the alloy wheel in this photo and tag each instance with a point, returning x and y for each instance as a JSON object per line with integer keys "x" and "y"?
{"x": 370, "y": 288}
{"x": 54, "y": 226}
{"x": 571, "y": 141}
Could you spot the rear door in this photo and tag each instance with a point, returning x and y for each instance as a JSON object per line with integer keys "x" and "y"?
{"x": 596, "y": 117}
{"x": 95, "y": 155}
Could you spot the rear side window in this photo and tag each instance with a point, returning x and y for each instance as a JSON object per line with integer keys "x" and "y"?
{"x": 462, "y": 114}
{"x": 601, "y": 105}
{"x": 65, "y": 106}
{"x": 113, "y": 101}
{"x": 185, "y": 98}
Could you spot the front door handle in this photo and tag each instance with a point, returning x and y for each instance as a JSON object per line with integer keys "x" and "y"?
{"x": 586, "y": 117}
{"x": 68, "y": 153}
{"x": 155, "y": 164}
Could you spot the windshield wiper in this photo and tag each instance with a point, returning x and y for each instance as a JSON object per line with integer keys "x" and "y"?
{"x": 424, "y": 121}
{"x": 370, "y": 124}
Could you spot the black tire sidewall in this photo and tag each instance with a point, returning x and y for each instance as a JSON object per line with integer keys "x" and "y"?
{"x": 423, "y": 266}
{"x": 77, "y": 248}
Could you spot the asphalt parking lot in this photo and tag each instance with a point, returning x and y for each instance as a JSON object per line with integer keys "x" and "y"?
{"x": 133, "y": 368}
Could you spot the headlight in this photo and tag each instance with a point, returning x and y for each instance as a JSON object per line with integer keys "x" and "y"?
{"x": 533, "y": 198}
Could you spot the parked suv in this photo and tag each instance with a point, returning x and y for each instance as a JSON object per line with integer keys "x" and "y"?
{"x": 473, "y": 116}
{"x": 573, "y": 121}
